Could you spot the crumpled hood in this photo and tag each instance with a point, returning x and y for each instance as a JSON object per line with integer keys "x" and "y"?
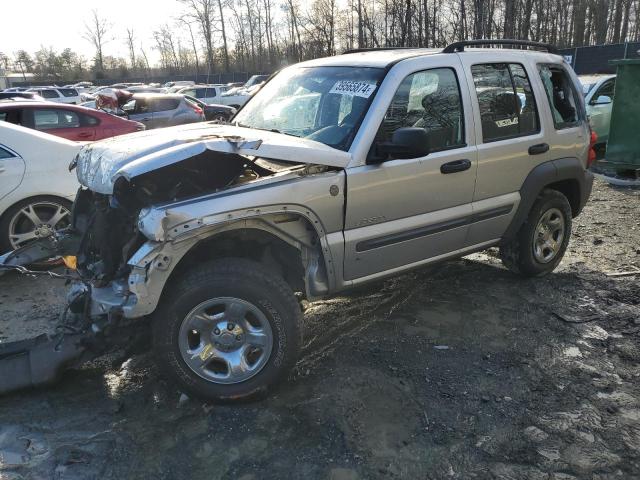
{"x": 100, "y": 164}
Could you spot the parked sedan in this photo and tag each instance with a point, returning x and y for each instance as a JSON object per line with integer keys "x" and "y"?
{"x": 67, "y": 121}
{"x": 156, "y": 110}
{"x": 213, "y": 112}
{"x": 36, "y": 187}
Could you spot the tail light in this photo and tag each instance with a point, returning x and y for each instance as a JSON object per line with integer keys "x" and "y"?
{"x": 196, "y": 109}
{"x": 140, "y": 127}
{"x": 592, "y": 152}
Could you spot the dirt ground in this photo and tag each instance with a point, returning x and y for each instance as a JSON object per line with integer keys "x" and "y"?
{"x": 458, "y": 371}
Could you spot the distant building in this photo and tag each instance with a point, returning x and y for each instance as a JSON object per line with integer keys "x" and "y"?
{"x": 15, "y": 79}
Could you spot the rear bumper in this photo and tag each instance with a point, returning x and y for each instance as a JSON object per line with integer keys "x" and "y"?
{"x": 585, "y": 191}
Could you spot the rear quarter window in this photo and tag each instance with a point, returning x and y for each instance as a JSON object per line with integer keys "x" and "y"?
{"x": 5, "y": 153}
{"x": 88, "y": 120}
{"x": 49, "y": 94}
{"x": 565, "y": 104}
{"x": 68, "y": 92}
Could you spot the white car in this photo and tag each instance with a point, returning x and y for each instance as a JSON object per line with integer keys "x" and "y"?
{"x": 57, "y": 94}
{"x": 205, "y": 93}
{"x": 598, "y": 93}
{"x": 36, "y": 187}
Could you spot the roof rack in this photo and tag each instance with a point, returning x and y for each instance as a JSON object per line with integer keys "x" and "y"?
{"x": 376, "y": 49}
{"x": 459, "y": 46}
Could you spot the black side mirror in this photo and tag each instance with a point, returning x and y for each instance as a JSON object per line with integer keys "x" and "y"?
{"x": 406, "y": 142}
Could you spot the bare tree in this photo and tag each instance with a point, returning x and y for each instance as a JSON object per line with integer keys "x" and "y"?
{"x": 186, "y": 21}
{"x": 203, "y": 12}
{"x": 131, "y": 47}
{"x": 96, "y": 32}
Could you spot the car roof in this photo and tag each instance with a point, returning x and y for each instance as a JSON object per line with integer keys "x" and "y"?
{"x": 382, "y": 58}
{"x": 588, "y": 79}
{"x": 37, "y": 103}
{"x": 157, "y": 95}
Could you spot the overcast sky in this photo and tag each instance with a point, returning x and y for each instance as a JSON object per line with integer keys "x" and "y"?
{"x": 30, "y": 24}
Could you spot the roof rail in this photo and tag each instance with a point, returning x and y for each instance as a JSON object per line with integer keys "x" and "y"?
{"x": 459, "y": 46}
{"x": 376, "y": 49}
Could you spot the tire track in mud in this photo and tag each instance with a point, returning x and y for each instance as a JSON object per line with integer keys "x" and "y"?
{"x": 395, "y": 294}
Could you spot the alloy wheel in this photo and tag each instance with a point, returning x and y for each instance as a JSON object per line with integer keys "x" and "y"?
{"x": 549, "y": 235}
{"x": 225, "y": 340}
{"x": 37, "y": 220}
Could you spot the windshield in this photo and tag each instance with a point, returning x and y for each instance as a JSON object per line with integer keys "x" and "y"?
{"x": 586, "y": 88}
{"x": 324, "y": 104}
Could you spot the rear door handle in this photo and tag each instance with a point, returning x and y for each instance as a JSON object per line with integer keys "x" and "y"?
{"x": 538, "y": 149}
{"x": 455, "y": 166}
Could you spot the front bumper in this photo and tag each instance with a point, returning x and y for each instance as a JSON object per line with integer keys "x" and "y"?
{"x": 139, "y": 293}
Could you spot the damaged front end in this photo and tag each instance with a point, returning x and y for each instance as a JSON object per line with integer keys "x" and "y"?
{"x": 143, "y": 204}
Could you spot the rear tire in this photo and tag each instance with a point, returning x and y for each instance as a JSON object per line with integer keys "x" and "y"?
{"x": 227, "y": 330}
{"x": 542, "y": 240}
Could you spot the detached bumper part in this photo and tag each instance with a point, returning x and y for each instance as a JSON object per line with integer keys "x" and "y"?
{"x": 37, "y": 361}
{"x": 62, "y": 243}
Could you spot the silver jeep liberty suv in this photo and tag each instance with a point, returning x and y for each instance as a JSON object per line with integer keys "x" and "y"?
{"x": 339, "y": 171}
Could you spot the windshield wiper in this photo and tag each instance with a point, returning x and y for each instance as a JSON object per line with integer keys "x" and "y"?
{"x": 274, "y": 130}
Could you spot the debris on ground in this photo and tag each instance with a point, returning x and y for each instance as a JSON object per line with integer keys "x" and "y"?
{"x": 543, "y": 383}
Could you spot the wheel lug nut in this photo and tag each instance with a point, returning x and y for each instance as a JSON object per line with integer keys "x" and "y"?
{"x": 230, "y": 326}
{"x": 216, "y": 331}
{"x": 238, "y": 337}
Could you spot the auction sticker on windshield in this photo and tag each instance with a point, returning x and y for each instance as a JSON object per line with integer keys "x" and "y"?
{"x": 350, "y": 87}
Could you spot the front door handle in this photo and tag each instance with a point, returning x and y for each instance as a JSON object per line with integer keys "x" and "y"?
{"x": 538, "y": 149}
{"x": 455, "y": 166}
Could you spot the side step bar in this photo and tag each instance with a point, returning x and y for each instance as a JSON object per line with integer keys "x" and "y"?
{"x": 37, "y": 361}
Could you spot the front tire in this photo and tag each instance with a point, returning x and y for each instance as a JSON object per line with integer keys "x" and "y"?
{"x": 32, "y": 219}
{"x": 542, "y": 240}
{"x": 228, "y": 330}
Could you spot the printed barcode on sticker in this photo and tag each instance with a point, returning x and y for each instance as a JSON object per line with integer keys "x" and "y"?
{"x": 350, "y": 87}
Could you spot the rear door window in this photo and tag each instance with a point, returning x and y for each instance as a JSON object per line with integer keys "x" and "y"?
{"x": 562, "y": 96}
{"x": 506, "y": 101}
{"x": 211, "y": 92}
{"x": 164, "y": 104}
{"x": 47, "y": 119}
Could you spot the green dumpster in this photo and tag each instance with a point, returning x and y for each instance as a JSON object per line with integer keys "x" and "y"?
{"x": 623, "y": 148}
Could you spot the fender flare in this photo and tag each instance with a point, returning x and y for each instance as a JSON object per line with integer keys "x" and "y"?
{"x": 547, "y": 173}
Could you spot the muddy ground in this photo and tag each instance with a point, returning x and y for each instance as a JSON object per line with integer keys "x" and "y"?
{"x": 460, "y": 371}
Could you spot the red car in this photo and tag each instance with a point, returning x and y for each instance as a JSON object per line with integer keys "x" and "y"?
{"x": 68, "y": 121}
